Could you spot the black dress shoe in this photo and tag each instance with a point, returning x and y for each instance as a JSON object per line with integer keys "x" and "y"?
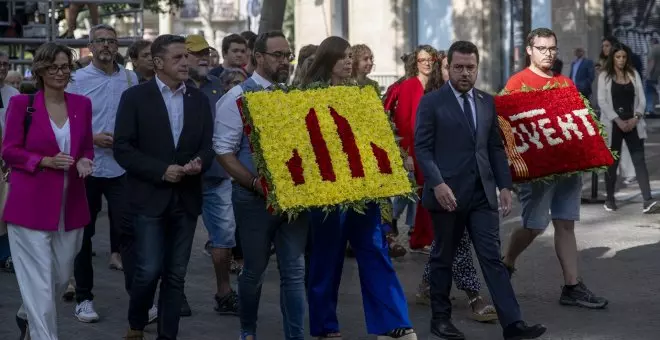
{"x": 446, "y": 330}
{"x": 519, "y": 331}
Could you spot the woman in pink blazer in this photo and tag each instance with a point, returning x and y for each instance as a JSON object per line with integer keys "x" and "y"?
{"x": 48, "y": 147}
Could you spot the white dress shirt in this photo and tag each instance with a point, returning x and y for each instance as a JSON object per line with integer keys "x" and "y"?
{"x": 174, "y": 105}
{"x": 470, "y": 99}
{"x": 228, "y": 126}
{"x": 104, "y": 91}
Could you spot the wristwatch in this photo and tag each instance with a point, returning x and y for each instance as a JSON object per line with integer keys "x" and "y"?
{"x": 639, "y": 115}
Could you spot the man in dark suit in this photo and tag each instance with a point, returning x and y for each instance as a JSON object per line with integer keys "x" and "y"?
{"x": 163, "y": 138}
{"x": 460, "y": 152}
{"x": 583, "y": 72}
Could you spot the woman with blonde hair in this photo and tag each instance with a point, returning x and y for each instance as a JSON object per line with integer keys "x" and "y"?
{"x": 385, "y": 306}
{"x": 48, "y": 148}
{"x": 363, "y": 63}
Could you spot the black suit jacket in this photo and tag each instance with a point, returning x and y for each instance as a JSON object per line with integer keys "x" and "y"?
{"x": 448, "y": 152}
{"x": 144, "y": 146}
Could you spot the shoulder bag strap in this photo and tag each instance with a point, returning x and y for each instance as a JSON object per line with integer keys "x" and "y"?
{"x": 28, "y": 116}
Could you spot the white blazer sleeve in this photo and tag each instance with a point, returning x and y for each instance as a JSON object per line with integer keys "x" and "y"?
{"x": 640, "y": 97}
{"x": 605, "y": 99}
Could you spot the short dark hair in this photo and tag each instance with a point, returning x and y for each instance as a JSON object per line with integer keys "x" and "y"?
{"x": 249, "y": 35}
{"x": 232, "y": 39}
{"x": 136, "y": 47}
{"x": 541, "y": 32}
{"x": 44, "y": 58}
{"x": 464, "y": 47}
{"x": 261, "y": 42}
{"x": 159, "y": 46}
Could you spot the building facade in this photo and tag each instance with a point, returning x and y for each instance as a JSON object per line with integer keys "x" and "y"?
{"x": 393, "y": 27}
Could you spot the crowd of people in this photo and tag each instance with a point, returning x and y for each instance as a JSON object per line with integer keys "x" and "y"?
{"x": 164, "y": 143}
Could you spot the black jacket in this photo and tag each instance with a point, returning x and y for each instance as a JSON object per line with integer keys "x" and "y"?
{"x": 144, "y": 146}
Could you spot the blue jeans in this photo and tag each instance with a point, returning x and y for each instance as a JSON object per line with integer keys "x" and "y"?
{"x": 162, "y": 247}
{"x": 259, "y": 229}
{"x": 384, "y": 301}
{"x": 650, "y": 91}
{"x": 4, "y": 247}
{"x": 218, "y": 215}
{"x": 402, "y": 203}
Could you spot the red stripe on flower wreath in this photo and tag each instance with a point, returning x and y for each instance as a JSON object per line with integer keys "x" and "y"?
{"x": 382, "y": 158}
{"x": 320, "y": 147}
{"x": 349, "y": 146}
{"x": 295, "y": 168}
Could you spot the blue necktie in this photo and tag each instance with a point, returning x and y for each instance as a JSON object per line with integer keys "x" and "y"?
{"x": 467, "y": 109}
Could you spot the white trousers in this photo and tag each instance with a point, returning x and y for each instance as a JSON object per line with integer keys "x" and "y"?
{"x": 43, "y": 262}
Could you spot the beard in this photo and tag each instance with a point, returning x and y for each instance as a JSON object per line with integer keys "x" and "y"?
{"x": 198, "y": 73}
{"x": 105, "y": 56}
{"x": 280, "y": 75}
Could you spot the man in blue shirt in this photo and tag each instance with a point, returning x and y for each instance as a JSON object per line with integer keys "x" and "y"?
{"x": 103, "y": 81}
{"x": 217, "y": 210}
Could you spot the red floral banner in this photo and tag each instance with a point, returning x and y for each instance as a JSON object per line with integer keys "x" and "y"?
{"x": 550, "y": 132}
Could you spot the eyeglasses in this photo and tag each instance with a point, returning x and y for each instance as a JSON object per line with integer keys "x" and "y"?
{"x": 53, "y": 69}
{"x": 103, "y": 41}
{"x": 4, "y": 65}
{"x": 545, "y": 50}
{"x": 462, "y": 68}
{"x": 281, "y": 55}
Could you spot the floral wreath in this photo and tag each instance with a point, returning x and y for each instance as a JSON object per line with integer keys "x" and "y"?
{"x": 343, "y": 131}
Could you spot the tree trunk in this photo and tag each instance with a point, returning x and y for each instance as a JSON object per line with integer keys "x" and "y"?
{"x": 206, "y": 14}
{"x": 272, "y": 15}
{"x": 526, "y": 26}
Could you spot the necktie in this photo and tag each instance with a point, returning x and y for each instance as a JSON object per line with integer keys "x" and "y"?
{"x": 467, "y": 109}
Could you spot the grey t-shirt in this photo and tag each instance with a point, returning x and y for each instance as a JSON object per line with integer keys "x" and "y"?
{"x": 654, "y": 55}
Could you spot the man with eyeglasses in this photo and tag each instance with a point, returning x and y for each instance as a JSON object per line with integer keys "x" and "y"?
{"x": 103, "y": 81}
{"x": 217, "y": 211}
{"x": 556, "y": 200}
{"x": 257, "y": 226}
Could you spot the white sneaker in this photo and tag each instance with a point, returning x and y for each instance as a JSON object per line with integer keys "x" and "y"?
{"x": 153, "y": 313}
{"x": 85, "y": 312}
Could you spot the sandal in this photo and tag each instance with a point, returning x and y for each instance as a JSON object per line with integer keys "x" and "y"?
{"x": 486, "y": 314}
{"x": 394, "y": 248}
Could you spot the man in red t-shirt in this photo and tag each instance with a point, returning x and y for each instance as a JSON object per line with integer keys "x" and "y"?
{"x": 557, "y": 200}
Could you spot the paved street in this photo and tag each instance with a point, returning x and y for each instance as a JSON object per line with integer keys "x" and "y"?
{"x": 619, "y": 253}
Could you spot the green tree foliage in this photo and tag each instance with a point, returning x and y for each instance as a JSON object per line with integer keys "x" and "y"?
{"x": 149, "y": 5}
